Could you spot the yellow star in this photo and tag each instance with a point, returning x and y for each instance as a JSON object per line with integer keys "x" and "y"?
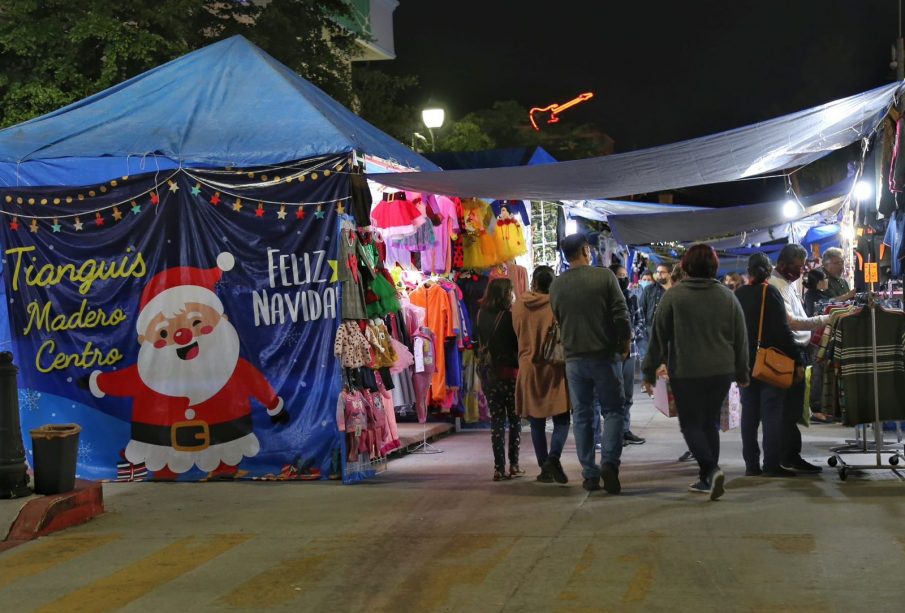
{"x": 340, "y": 209}
{"x": 117, "y": 214}
{"x": 237, "y": 205}
{"x": 281, "y": 214}
{"x": 173, "y": 186}
{"x": 333, "y": 264}
{"x": 34, "y": 225}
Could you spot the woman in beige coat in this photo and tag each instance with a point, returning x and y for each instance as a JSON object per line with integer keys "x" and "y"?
{"x": 540, "y": 390}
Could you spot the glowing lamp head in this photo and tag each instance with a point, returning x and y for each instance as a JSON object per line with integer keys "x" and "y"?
{"x": 790, "y": 209}
{"x": 862, "y": 190}
{"x": 433, "y": 118}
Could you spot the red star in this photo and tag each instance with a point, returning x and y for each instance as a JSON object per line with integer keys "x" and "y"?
{"x": 154, "y": 198}
{"x": 14, "y": 225}
{"x": 99, "y": 220}
{"x": 300, "y": 213}
{"x": 215, "y": 199}
{"x": 259, "y": 212}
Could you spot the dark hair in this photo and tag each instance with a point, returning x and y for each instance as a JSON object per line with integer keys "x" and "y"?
{"x": 542, "y": 278}
{"x": 700, "y": 261}
{"x": 813, "y": 278}
{"x": 734, "y": 277}
{"x": 572, "y": 246}
{"x": 677, "y": 274}
{"x": 498, "y": 295}
{"x": 647, "y": 273}
{"x": 759, "y": 267}
{"x": 791, "y": 253}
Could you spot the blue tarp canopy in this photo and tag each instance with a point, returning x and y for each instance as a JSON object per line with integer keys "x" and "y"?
{"x": 228, "y": 104}
{"x": 785, "y": 142}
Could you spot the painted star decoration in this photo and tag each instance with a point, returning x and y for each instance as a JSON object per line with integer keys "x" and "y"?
{"x": 173, "y": 186}
{"x": 237, "y": 205}
{"x": 99, "y": 221}
{"x": 300, "y": 213}
{"x": 340, "y": 209}
{"x": 319, "y": 213}
{"x": 34, "y": 226}
{"x": 117, "y": 214}
{"x": 14, "y": 224}
{"x": 55, "y": 227}
{"x": 215, "y": 199}
{"x": 259, "y": 212}
{"x": 281, "y": 214}
{"x": 136, "y": 208}
{"x": 78, "y": 224}
{"x": 197, "y": 189}
{"x": 334, "y": 267}
{"x": 154, "y": 198}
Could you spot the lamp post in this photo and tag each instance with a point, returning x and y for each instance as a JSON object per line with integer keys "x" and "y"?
{"x": 433, "y": 118}
{"x": 13, "y": 478}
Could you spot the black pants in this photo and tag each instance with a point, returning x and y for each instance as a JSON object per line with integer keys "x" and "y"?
{"x": 762, "y": 403}
{"x": 793, "y": 407}
{"x": 500, "y": 395}
{"x": 698, "y": 401}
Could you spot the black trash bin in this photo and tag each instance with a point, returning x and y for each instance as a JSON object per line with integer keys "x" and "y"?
{"x": 56, "y": 450}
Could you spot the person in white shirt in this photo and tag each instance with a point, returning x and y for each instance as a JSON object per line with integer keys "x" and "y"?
{"x": 788, "y": 270}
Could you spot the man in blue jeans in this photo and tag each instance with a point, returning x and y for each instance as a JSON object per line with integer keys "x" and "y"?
{"x": 596, "y": 335}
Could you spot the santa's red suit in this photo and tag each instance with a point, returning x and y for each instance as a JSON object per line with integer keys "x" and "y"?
{"x": 166, "y": 431}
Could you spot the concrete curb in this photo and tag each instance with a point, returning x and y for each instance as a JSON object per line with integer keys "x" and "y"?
{"x": 46, "y": 514}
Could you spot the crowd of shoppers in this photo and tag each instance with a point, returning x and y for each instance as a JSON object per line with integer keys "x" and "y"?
{"x": 700, "y": 332}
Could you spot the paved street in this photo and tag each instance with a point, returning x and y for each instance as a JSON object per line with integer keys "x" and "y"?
{"x": 436, "y": 534}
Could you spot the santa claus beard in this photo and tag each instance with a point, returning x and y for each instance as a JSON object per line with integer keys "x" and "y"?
{"x": 199, "y": 378}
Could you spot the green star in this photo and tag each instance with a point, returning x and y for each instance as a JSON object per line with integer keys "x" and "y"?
{"x": 55, "y": 227}
{"x": 320, "y": 214}
{"x": 196, "y": 190}
{"x": 136, "y": 209}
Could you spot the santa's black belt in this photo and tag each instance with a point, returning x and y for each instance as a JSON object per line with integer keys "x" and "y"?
{"x": 192, "y": 435}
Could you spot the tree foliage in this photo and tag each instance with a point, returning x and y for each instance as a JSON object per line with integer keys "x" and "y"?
{"x": 53, "y": 52}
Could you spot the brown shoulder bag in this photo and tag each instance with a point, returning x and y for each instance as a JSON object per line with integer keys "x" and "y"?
{"x": 771, "y": 366}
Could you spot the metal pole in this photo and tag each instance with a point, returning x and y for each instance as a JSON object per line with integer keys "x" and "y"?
{"x": 878, "y": 426}
{"x": 13, "y": 475}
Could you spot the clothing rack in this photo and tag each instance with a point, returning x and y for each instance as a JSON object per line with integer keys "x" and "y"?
{"x": 885, "y": 455}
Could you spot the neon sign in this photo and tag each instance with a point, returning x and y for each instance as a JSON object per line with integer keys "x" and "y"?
{"x": 556, "y": 109}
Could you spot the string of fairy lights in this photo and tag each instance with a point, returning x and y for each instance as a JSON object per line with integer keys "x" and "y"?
{"x": 50, "y": 214}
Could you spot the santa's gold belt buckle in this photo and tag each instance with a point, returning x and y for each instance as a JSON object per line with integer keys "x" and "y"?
{"x": 196, "y": 430}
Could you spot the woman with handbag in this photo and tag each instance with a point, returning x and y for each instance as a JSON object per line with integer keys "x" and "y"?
{"x": 699, "y": 332}
{"x": 540, "y": 389}
{"x": 762, "y": 401}
{"x": 498, "y": 367}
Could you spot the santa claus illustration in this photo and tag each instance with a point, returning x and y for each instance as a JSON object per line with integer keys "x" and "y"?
{"x": 190, "y": 389}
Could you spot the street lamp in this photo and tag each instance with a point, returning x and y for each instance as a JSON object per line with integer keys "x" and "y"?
{"x": 433, "y": 118}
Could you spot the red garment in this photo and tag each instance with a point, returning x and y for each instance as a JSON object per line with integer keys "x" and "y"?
{"x": 231, "y": 402}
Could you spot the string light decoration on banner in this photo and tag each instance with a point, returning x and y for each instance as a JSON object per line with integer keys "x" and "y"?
{"x": 135, "y": 195}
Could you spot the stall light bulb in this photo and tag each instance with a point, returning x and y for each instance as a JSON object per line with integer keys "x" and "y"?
{"x": 848, "y": 233}
{"x": 863, "y": 190}
{"x": 571, "y": 226}
{"x": 790, "y": 209}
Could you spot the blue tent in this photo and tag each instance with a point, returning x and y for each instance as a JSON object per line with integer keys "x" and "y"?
{"x": 228, "y": 104}
{"x": 491, "y": 158}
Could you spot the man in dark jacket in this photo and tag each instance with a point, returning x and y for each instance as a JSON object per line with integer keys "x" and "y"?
{"x": 652, "y": 294}
{"x": 596, "y": 335}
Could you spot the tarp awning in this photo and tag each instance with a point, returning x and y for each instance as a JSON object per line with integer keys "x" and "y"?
{"x": 768, "y": 146}
{"x": 227, "y": 104}
{"x": 701, "y": 224}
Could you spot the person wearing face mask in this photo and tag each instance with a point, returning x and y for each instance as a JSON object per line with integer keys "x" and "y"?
{"x": 652, "y": 294}
{"x": 788, "y": 269}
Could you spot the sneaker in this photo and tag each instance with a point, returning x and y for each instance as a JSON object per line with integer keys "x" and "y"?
{"x": 597, "y": 446}
{"x": 699, "y": 487}
{"x": 753, "y": 472}
{"x": 554, "y": 466}
{"x": 610, "y": 475}
{"x": 591, "y": 485}
{"x": 499, "y": 475}
{"x": 778, "y": 473}
{"x": 545, "y": 476}
{"x": 799, "y": 465}
{"x": 717, "y": 478}
{"x": 631, "y": 439}
{"x": 686, "y": 457}
{"x": 515, "y": 472}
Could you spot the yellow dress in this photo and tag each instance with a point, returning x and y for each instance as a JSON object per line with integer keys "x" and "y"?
{"x": 480, "y": 245}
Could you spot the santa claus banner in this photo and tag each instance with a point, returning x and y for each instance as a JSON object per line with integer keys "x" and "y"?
{"x": 184, "y": 319}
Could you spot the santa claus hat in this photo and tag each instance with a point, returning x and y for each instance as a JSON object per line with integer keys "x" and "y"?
{"x": 168, "y": 291}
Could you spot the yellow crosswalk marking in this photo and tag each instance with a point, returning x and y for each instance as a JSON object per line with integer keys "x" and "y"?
{"x": 47, "y": 554}
{"x": 136, "y": 580}
{"x": 277, "y": 585}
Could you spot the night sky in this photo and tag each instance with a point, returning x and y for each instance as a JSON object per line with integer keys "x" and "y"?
{"x": 661, "y": 71}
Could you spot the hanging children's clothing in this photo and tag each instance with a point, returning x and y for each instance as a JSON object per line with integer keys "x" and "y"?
{"x": 396, "y": 216}
{"x": 480, "y": 246}
{"x": 349, "y": 276}
{"x": 438, "y": 258}
{"x": 351, "y": 346}
{"x": 425, "y": 368}
{"x": 439, "y": 318}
